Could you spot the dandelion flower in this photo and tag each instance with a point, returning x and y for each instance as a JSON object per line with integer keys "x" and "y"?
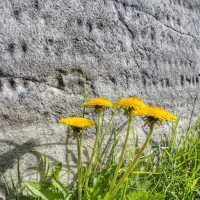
{"x": 98, "y": 103}
{"x": 156, "y": 115}
{"x": 130, "y": 104}
{"x": 77, "y": 122}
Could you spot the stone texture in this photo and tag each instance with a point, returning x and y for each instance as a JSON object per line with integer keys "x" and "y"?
{"x": 150, "y": 49}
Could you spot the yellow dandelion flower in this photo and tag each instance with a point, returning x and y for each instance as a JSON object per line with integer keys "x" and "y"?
{"x": 130, "y": 104}
{"x": 77, "y": 122}
{"x": 156, "y": 115}
{"x": 100, "y": 101}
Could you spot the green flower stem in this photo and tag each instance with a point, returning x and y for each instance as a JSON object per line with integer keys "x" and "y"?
{"x": 121, "y": 181}
{"x": 121, "y": 156}
{"x": 99, "y": 149}
{"x": 78, "y": 137}
{"x": 105, "y": 132}
{"x": 134, "y": 139}
{"x": 93, "y": 153}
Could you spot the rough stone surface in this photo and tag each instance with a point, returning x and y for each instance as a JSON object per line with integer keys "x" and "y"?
{"x": 149, "y": 49}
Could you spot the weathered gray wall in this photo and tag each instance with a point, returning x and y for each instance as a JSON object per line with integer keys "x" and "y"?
{"x": 150, "y": 49}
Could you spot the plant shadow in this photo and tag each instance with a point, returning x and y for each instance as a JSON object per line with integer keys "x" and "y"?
{"x": 10, "y": 157}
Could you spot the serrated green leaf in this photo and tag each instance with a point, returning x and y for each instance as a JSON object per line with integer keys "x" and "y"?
{"x": 27, "y": 198}
{"x": 143, "y": 185}
{"x": 59, "y": 186}
{"x": 138, "y": 196}
{"x": 141, "y": 195}
{"x": 36, "y": 185}
{"x": 56, "y": 171}
{"x": 50, "y": 195}
{"x": 109, "y": 196}
{"x": 34, "y": 188}
{"x": 36, "y": 191}
{"x": 158, "y": 196}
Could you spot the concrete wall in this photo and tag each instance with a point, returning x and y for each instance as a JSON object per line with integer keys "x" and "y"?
{"x": 150, "y": 49}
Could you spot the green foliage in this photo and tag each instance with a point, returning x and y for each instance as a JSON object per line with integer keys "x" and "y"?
{"x": 140, "y": 195}
{"x": 47, "y": 187}
{"x": 179, "y": 164}
{"x": 167, "y": 172}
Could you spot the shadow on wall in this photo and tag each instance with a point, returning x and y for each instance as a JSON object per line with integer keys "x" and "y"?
{"x": 10, "y": 157}
{"x": 71, "y": 154}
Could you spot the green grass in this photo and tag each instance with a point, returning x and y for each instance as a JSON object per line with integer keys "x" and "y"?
{"x": 179, "y": 165}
